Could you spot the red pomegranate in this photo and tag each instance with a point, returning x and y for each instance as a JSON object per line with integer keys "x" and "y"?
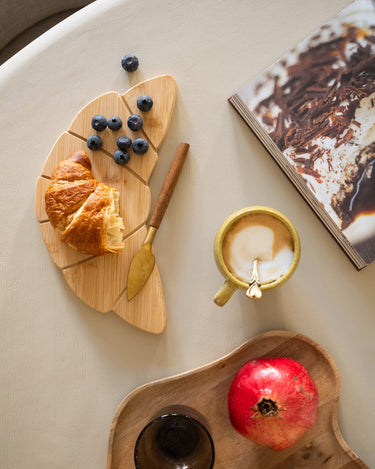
{"x": 273, "y": 401}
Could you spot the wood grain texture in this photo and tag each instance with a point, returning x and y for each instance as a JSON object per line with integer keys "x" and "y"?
{"x": 206, "y": 389}
{"x": 169, "y": 185}
{"x": 155, "y": 121}
{"x": 101, "y": 281}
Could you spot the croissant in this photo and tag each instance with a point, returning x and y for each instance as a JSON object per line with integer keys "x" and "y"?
{"x": 83, "y": 211}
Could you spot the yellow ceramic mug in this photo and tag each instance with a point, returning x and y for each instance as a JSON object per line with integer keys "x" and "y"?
{"x": 265, "y": 217}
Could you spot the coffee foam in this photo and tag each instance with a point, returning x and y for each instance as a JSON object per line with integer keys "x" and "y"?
{"x": 262, "y": 237}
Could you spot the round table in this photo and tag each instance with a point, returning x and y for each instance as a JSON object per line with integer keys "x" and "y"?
{"x": 65, "y": 367}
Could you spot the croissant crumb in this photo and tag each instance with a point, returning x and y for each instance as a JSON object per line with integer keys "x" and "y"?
{"x": 83, "y": 211}
{"x": 115, "y": 226}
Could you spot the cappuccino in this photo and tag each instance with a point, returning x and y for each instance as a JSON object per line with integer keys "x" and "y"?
{"x": 262, "y": 237}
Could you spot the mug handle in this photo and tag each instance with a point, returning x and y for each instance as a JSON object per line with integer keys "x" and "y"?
{"x": 226, "y": 291}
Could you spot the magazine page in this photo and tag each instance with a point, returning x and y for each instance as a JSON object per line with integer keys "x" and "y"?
{"x": 314, "y": 109}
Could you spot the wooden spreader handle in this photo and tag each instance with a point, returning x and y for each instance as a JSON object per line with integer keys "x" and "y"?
{"x": 169, "y": 185}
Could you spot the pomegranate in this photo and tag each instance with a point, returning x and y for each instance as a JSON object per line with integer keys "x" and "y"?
{"x": 273, "y": 401}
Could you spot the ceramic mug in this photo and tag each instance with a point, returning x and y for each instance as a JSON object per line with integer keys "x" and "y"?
{"x": 233, "y": 281}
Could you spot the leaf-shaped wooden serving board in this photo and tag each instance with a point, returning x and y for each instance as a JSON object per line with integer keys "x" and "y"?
{"x": 101, "y": 281}
{"x": 206, "y": 389}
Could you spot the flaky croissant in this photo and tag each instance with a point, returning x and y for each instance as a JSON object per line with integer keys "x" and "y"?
{"x": 83, "y": 211}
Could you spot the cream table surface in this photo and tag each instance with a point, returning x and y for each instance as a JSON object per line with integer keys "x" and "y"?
{"x": 64, "y": 367}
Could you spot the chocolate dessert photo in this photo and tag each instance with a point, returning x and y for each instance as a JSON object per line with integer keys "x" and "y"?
{"x": 314, "y": 110}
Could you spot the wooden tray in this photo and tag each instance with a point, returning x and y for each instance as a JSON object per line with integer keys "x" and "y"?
{"x": 206, "y": 389}
{"x": 101, "y": 281}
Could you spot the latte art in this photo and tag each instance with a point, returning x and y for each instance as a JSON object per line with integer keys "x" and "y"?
{"x": 262, "y": 237}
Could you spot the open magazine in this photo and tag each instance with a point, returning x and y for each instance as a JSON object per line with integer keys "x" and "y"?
{"x": 314, "y": 110}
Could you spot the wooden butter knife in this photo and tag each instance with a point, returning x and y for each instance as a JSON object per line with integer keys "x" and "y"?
{"x": 143, "y": 261}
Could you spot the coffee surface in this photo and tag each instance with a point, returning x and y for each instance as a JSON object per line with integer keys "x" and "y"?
{"x": 262, "y": 237}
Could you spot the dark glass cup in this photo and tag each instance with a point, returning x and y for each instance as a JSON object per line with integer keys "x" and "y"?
{"x": 175, "y": 438}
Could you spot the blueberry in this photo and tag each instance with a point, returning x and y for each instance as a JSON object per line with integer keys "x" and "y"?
{"x": 121, "y": 157}
{"x": 135, "y": 122}
{"x": 123, "y": 142}
{"x": 144, "y": 103}
{"x": 114, "y": 123}
{"x": 94, "y": 142}
{"x": 129, "y": 63}
{"x": 140, "y": 146}
{"x": 99, "y": 122}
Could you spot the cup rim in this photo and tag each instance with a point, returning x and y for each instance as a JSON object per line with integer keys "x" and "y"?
{"x": 164, "y": 415}
{"x": 256, "y": 209}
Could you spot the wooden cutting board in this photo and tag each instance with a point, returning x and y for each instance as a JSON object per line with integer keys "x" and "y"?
{"x": 206, "y": 389}
{"x": 101, "y": 281}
